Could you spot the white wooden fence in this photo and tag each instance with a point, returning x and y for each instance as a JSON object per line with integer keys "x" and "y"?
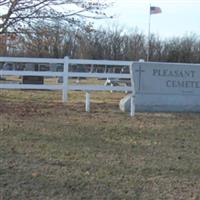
{"x": 65, "y": 74}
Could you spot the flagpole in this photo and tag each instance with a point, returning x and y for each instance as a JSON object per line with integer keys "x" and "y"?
{"x": 149, "y": 34}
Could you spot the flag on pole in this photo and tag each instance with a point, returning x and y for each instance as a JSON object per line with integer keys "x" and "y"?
{"x": 155, "y": 10}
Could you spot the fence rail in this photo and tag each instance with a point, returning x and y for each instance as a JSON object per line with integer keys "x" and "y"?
{"x": 32, "y": 60}
{"x": 65, "y": 74}
{"x": 29, "y": 73}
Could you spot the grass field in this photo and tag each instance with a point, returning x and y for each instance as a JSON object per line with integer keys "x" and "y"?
{"x": 53, "y": 151}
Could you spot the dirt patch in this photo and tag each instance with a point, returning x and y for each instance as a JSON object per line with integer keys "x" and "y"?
{"x": 35, "y": 108}
{"x": 22, "y": 109}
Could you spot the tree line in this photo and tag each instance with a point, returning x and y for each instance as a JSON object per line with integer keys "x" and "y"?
{"x": 57, "y": 39}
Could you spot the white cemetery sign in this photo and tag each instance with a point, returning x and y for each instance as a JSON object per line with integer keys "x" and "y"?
{"x": 167, "y": 86}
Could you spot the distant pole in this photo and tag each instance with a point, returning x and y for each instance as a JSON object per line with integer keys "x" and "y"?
{"x": 149, "y": 34}
{"x": 152, "y": 10}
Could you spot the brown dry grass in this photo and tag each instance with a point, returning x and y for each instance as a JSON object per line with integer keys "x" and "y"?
{"x": 53, "y": 151}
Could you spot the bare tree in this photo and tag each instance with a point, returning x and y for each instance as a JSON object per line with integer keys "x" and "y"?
{"x": 48, "y": 40}
{"x": 18, "y": 13}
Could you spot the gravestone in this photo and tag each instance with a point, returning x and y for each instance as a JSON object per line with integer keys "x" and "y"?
{"x": 33, "y": 80}
{"x": 165, "y": 87}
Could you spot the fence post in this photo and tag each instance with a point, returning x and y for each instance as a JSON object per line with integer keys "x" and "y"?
{"x": 87, "y": 102}
{"x": 132, "y": 100}
{"x": 65, "y": 78}
{"x": 132, "y": 113}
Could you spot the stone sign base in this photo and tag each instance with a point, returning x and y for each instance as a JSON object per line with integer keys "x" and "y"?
{"x": 161, "y": 103}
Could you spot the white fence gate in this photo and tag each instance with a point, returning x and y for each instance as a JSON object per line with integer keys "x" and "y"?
{"x": 65, "y": 74}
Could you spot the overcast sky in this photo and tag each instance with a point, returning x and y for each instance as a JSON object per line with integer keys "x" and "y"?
{"x": 178, "y": 17}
